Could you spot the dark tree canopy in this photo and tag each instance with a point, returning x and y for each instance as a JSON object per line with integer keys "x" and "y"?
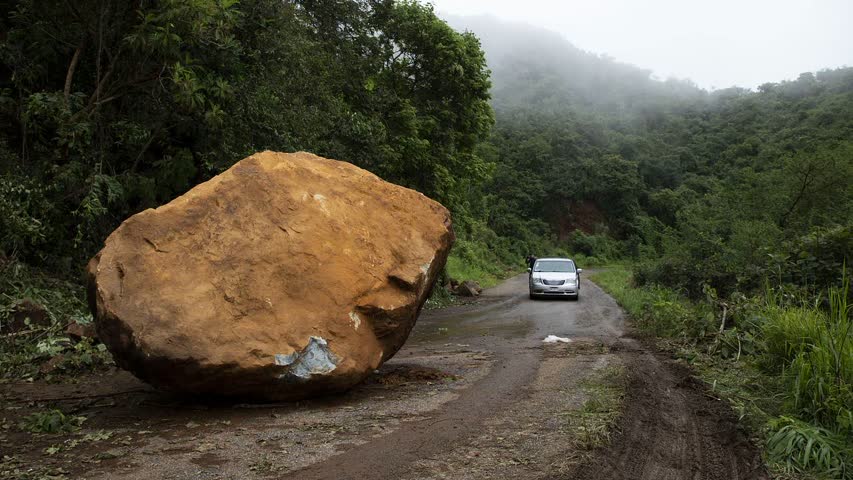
{"x": 107, "y": 109}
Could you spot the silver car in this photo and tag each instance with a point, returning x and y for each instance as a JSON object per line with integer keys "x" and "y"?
{"x": 558, "y": 277}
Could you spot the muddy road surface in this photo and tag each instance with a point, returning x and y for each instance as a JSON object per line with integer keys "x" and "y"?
{"x": 474, "y": 394}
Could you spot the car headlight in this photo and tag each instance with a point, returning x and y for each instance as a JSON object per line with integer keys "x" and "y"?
{"x": 537, "y": 280}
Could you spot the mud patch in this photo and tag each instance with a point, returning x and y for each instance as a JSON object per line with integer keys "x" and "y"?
{"x": 535, "y": 438}
{"x": 578, "y": 346}
{"x": 672, "y": 430}
{"x": 405, "y": 374}
{"x": 168, "y": 436}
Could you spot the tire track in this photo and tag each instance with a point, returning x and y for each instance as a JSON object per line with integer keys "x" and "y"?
{"x": 672, "y": 431}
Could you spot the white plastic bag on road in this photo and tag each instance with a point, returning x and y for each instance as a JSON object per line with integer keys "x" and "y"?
{"x": 555, "y": 339}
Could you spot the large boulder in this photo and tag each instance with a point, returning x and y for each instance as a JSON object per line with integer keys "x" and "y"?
{"x": 289, "y": 275}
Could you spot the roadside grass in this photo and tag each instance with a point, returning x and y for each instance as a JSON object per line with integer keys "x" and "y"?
{"x": 616, "y": 280}
{"x": 784, "y": 365}
{"x": 595, "y": 422}
{"x": 478, "y": 267}
{"x": 476, "y": 261}
{"x": 799, "y": 446}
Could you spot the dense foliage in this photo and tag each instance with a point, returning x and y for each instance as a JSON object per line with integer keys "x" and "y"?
{"x": 727, "y": 189}
{"x": 106, "y": 110}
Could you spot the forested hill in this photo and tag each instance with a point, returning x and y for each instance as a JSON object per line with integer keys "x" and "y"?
{"x": 536, "y": 69}
{"x": 592, "y": 150}
{"x": 106, "y": 111}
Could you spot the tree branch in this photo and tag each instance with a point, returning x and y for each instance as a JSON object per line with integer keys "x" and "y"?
{"x": 142, "y": 152}
{"x": 69, "y": 76}
{"x": 807, "y": 180}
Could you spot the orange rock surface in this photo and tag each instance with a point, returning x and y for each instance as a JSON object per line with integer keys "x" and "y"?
{"x": 289, "y": 275}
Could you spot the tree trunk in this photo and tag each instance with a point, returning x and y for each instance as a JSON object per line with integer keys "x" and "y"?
{"x": 69, "y": 77}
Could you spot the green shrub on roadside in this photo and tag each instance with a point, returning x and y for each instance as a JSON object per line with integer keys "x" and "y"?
{"x": 797, "y": 446}
{"x": 813, "y": 349}
{"x": 51, "y": 421}
{"x": 475, "y": 261}
{"x": 22, "y": 353}
{"x": 744, "y": 256}
{"x": 671, "y": 316}
{"x": 23, "y": 209}
{"x": 786, "y": 333}
{"x": 599, "y": 246}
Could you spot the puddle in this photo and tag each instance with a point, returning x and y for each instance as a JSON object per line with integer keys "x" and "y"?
{"x": 456, "y": 328}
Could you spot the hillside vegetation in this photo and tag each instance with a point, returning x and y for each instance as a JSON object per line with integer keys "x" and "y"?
{"x": 731, "y": 205}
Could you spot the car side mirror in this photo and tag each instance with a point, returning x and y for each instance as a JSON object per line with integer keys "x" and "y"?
{"x": 529, "y": 269}
{"x": 580, "y": 270}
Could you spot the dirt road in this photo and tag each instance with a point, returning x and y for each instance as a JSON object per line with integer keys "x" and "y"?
{"x": 473, "y": 394}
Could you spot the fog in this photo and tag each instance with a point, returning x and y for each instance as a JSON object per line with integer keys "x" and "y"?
{"x": 717, "y": 44}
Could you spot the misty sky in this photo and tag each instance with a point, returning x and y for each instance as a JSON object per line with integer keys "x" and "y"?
{"x": 716, "y": 43}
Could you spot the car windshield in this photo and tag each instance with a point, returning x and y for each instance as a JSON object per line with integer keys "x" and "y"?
{"x": 554, "y": 266}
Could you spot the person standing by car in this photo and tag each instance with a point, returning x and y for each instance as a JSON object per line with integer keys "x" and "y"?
{"x": 530, "y": 260}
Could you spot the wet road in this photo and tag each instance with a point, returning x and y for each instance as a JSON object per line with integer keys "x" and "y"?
{"x": 510, "y": 327}
{"x": 511, "y": 423}
{"x": 474, "y": 394}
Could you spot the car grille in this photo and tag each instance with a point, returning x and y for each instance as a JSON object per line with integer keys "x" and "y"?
{"x": 554, "y": 282}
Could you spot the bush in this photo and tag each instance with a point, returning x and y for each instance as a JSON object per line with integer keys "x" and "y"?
{"x": 669, "y": 315}
{"x": 797, "y": 446}
{"x": 743, "y": 262}
{"x": 813, "y": 349}
{"x": 23, "y": 209}
{"x": 778, "y": 357}
{"x": 815, "y": 259}
{"x": 22, "y": 354}
{"x": 474, "y": 260}
{"x": 601, "y": 246}
{"x": 51, "y": 421}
